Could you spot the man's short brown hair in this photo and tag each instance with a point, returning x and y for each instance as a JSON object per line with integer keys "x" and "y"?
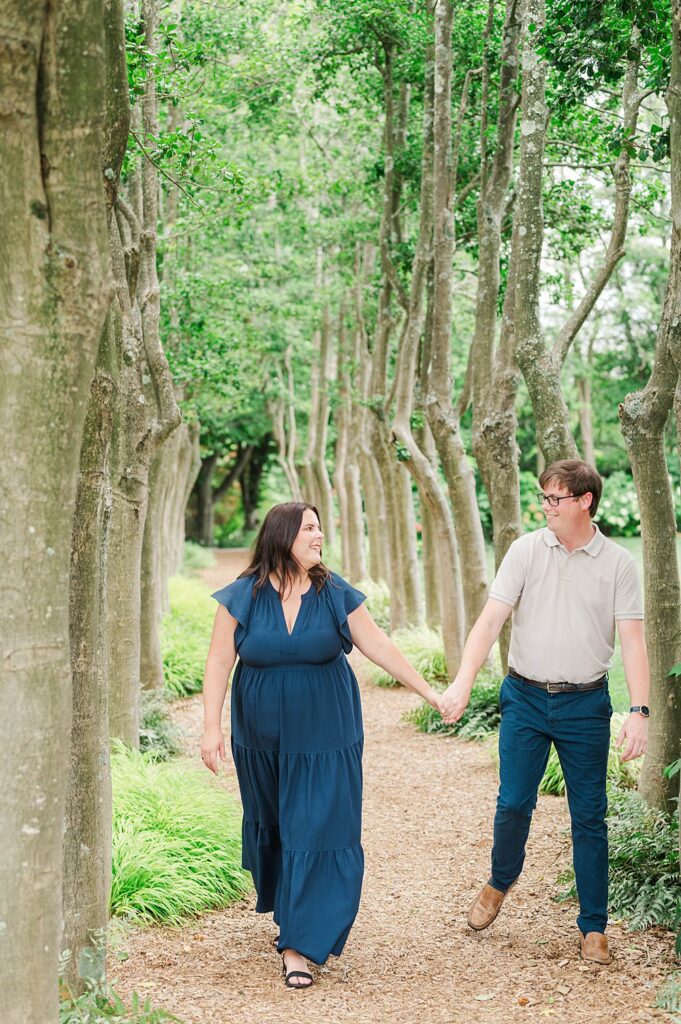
{"x": 574, "y": 476}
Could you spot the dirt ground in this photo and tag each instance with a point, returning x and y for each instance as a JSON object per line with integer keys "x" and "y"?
{"x": 428, "y": 809}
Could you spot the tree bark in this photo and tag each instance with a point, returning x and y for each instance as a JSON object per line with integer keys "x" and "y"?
{"x": 318, "y": 455}
{"x": 412, "y": 456}
{"x": 282, "y": 413}
{"x": 145, "y": 414}
{"x": 495, "y": 373}
{"x": 87, "y": 830}
{"x": 189, "y": 463}
{"x": 442, "y": 416}
{"x": 643, "y": 416}
{"x": 250, "y": 481}
{"x": 54, "y": 292}
{"x": 541, "y": 367}
{"x": 205, "y": 502}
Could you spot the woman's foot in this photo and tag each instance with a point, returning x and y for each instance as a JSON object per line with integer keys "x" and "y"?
{"x": 295, "y": 969}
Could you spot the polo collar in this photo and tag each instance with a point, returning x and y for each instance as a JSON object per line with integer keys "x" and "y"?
{"x": 592, "y": 548}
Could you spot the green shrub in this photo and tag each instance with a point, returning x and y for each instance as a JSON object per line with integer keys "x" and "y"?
{"x": 185, "y": 636}
{"x": 644, "y": 863}
{"x": 100, "y": 1004}
{"x": 620, "y": 775}
{"x": 158, "y": 732}
{"x": 480, "y": 719}
{"x": 421, "y": 646}
{"x": 176, "y": 840}
{"x": 196, "y": 557}
{"x": 378, "y": 600}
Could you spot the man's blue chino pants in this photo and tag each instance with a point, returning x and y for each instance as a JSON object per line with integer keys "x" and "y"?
{"x": 579, "y": 726}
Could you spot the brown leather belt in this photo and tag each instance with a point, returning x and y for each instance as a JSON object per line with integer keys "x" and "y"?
{"x": 551, "y": 687}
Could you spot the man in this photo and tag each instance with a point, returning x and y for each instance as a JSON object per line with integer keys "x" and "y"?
{"x": 567, "y": 586}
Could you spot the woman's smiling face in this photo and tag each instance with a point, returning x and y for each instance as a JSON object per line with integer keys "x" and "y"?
{"x": 307, "y": 547}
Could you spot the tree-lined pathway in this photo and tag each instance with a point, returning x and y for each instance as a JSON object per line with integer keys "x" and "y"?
{"x": 428, "y": 810}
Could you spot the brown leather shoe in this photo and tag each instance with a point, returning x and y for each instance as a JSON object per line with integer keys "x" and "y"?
{"x": 594, "y": 947}
{"x": 485, "y": 907}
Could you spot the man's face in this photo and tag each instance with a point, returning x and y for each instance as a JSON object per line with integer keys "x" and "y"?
{"x": 571, "y": 511}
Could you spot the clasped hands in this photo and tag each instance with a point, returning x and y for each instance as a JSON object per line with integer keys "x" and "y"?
{"x": 453, "y": 702}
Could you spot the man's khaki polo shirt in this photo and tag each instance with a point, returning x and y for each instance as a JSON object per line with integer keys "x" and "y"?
{"x": 565, "y": 604}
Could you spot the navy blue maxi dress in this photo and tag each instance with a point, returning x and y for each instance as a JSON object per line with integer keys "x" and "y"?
{"x": 297, "y": 743}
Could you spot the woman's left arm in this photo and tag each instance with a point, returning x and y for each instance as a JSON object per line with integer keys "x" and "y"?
{"x": 379, "y": 648}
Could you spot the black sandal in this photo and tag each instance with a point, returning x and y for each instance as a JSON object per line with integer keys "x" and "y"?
{"x": 295, "y": 974}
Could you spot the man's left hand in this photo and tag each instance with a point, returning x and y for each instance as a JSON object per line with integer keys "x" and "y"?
{"x": 635, "y": 733}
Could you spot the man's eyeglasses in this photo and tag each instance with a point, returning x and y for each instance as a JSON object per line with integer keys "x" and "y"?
{"x": 552, "y": 500}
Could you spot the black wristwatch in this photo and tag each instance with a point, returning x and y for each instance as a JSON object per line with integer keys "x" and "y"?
{"x": 641, "y": 709}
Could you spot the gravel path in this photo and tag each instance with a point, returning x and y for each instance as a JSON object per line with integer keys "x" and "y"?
{"x": 428, "y": 811}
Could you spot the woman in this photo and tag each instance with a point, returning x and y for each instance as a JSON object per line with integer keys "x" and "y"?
{"x": 297, "y": 731}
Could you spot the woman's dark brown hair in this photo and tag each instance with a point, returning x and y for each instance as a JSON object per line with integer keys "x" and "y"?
{"x": 272, "y": 548}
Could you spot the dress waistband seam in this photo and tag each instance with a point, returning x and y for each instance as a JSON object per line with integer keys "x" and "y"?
{"x": 297, "y": 753}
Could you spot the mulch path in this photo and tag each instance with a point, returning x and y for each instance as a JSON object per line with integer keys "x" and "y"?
{"x": 428, "y": 809}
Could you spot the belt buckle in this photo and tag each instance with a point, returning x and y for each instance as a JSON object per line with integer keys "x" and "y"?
{"x": 552, "y": 687}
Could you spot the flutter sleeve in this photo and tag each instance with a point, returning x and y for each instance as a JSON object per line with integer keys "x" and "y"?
{"x": 343, "y": 600}
{"x": 237, "y": 598}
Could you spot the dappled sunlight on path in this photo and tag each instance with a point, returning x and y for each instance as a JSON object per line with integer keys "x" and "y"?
{"x": 428, "y": 811}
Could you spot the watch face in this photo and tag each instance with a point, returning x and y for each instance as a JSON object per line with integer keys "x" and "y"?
{"x": 645, "y": 711}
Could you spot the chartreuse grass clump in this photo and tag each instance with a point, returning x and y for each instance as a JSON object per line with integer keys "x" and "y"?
{"x": 176, "y": 840}
{"x": 421, "y": 646}
{"x": 195, "y": 557}
{"x": 480, "y": 719}
{"x": 378, "y": 600}
{"x": 185, "y": 636}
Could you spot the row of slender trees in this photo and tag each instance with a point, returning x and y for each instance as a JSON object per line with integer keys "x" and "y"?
{"x": 397, "y": 415}
{"x": 101, "y": 461}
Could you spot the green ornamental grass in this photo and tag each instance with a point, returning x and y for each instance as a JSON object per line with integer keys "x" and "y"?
{"x": 185, "y": 636}
{"x": 421, "y": 646}
{"x": 378, "y": 600}
{"x": 176, "y": 840}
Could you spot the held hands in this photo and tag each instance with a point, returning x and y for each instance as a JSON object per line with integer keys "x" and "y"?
{"x": 635, "y": 732}
{"x": 454, "y": 701}
{"x": 212, "y": 745}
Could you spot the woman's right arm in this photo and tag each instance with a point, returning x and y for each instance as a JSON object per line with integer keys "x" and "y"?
{"x": 220, "y": 662}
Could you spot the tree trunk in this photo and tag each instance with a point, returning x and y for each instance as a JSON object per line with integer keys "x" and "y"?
{"x": 321, "y": 473}
{"x": 341, "y": 417}
{"x": 495, "y": 373}
{"x": 87, "y": 825}
{"x": 250, "y": 481}
{"x": 205, "y": 502}
{"x": 188, "y": 470}
{"x": 412, "y": 456}
{"x": 282, "y": 413}
{"x": 541, "y": 368}
{"x": 371, "y": 481}
{"x": 54, "y": 293}
{"x": 444, "y": 421}
{"x": 586, "y": 428}
{"x": 644, "y": 415}
{"x": 151, "y": 573}
{"x": 145, "y": 414}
